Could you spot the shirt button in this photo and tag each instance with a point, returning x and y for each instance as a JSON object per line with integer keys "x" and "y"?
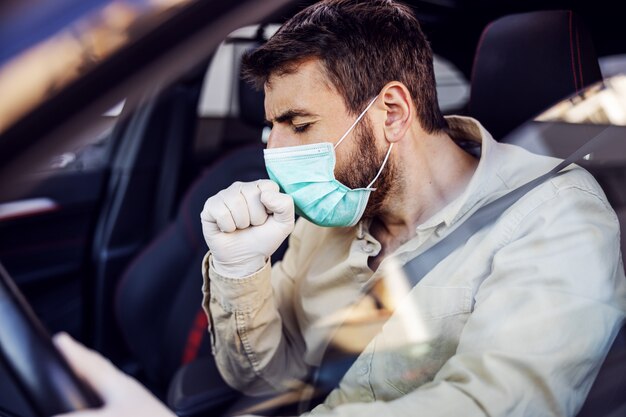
{"x": 440, "y": 231}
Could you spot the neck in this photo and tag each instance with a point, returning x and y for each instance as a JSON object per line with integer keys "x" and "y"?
{"x": 433, "y": 171}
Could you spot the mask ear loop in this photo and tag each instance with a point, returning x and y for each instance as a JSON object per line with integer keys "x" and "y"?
{"x": 381, "y": 167}
{"x": 358, "y": 119}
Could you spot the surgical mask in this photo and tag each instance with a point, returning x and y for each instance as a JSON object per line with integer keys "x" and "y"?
{"x": 307, "y": 174}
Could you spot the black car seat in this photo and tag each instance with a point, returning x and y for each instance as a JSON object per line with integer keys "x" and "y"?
{"x": 158, "y": 298}
{"x": 524, "y": 63}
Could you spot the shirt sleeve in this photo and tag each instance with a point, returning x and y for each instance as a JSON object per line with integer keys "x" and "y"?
{"x": 542, "y": 324}
{"x": 255, "y": 337}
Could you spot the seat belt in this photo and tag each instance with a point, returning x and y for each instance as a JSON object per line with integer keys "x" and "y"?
{"x": 421, "y": 265}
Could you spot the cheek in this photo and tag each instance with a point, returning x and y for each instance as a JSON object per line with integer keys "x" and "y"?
{"x": 347, "y": 159}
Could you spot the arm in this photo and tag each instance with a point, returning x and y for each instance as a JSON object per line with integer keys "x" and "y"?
{"x": 543, "y": 321}
{"x": 256, "y": 340}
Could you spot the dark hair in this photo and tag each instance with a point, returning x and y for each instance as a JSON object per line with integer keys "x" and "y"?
{"x": 362, "y": 45}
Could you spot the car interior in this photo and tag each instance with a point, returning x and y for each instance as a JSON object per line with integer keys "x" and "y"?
{"x": 111, "y": 251}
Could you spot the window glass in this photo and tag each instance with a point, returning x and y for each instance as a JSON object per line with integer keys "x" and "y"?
{"x": 221, "y": 81}
{"x": 602, "y": 103}
{"x": 612, "y": 65}
{"x": 452, "y": 87}
{"x": 72, "y": 52}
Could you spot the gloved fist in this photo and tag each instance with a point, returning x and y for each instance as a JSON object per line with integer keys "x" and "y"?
{"x": 244, "y": 224}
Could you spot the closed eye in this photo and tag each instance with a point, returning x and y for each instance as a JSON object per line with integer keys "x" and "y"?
{"x": 301, "y": 128}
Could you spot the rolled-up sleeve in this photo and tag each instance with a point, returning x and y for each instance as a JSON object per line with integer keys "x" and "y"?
{"x": 543, "y": 321}
{"x": 254, "y": 333}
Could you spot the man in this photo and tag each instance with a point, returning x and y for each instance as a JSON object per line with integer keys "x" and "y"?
{"x": 516, "y": 321}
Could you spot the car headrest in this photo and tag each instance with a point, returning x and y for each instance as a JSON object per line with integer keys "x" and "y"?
{"x": 251, "y": 107}
{"x": 526, "y": 62}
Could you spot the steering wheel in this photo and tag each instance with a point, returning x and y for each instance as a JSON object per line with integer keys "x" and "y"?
{"x": 43, "y": 374}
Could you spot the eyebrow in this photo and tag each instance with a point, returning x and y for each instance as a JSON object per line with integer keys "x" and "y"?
{"x": 289, "y": 115}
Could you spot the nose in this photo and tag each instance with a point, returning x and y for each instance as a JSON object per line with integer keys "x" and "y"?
{"x": 271, "y": 140}
{"x": 278, "y": 138}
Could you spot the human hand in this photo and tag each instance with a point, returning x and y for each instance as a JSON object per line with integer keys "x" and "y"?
{"x": 244, "y": 224}
{"x": 123, "y": 396}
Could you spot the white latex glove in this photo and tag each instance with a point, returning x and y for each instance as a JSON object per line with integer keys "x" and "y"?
{"x": 244, "y": 224}
{"x": 122, "y": 395}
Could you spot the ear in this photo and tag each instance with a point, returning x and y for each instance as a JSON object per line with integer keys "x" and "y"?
{"x": 399, "y": 109}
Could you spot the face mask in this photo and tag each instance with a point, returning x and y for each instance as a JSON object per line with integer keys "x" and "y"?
{"x": 307, "y": 174}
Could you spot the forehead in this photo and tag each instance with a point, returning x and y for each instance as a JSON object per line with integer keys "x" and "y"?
{"x": 306, "y": 88}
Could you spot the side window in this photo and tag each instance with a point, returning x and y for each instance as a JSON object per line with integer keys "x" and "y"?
{"x": 611, "y": 65}
{"x": 219, "y": 115}
{"x": 219, "y": 92}
{"x": 452, "y": 88}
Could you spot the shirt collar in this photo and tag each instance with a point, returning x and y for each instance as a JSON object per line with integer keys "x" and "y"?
{"x": 468, "y": 132}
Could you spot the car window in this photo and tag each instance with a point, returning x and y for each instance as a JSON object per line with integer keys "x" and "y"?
{"x": 603, "y": 103}
{"x": 611, "y": 65}
{"x": 219, "y": 92}
{"x": 72, "y": 52}
{"x": 452, "y": 87}
{"x": 386, "y": 329}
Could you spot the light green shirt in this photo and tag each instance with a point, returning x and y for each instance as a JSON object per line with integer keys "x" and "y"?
{"x": 514, "y": 322}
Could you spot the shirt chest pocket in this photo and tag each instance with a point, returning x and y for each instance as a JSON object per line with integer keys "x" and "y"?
{"x": 421, "y": 335}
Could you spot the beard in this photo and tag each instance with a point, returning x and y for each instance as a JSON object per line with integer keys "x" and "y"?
{"x": 365, "y": 163}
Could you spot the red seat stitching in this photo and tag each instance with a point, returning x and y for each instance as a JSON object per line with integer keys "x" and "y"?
{"x": 580, "y": 59}
{"x": 571, "y": 44}
{"x": 194, "y": 339}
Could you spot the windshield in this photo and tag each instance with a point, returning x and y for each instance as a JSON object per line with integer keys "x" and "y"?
{"x": 69, "y": 52}
{"x": 261, "y": 237}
